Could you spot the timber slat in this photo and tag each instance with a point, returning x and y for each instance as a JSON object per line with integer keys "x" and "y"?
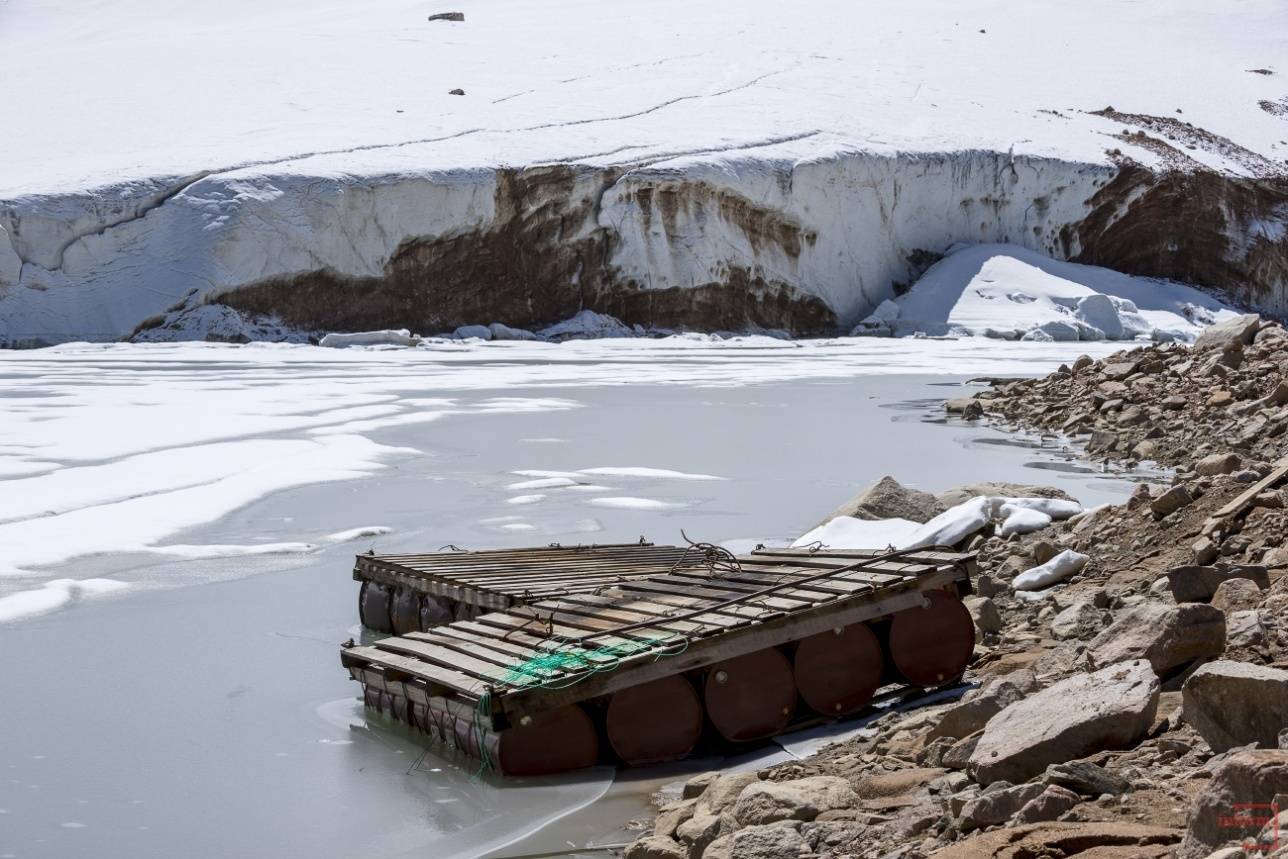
{"x": 630, "y": 611}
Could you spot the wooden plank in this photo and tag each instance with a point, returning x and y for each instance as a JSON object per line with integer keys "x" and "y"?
{"x": 460, "y": 684}
{"x": 438, "y": 655}
{"x": 647, "y": 608}
{"x": 681, "y": 588}
{"x": 1245, "y": 498}
{"x": 700, "y": 653}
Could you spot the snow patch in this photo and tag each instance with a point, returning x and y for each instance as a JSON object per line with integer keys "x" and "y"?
{"x": 1012, "y": 293}
{"x": 358, "y": 533}
{"x": 642, "y": 471}
{"x": 626, "y": 502}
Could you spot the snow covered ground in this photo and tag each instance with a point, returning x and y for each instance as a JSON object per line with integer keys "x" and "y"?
{"x": 160, "y": 154}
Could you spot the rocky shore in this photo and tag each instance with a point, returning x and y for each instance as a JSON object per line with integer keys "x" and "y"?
{"x": 1129, "y": 692}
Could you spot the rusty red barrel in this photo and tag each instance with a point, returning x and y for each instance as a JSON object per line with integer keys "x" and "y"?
{"x": 557, "y": 741}
{"x": 932, "y": 644}
{"x": 838, "y": 671}
{"x": 750, "y": 697}
{"x": 653, "y": 722}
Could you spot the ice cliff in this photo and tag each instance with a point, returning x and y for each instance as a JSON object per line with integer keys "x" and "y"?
{"x": 719, "y": 166}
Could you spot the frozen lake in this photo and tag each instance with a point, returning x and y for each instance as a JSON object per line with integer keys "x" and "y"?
{"x": 178, "y": 522}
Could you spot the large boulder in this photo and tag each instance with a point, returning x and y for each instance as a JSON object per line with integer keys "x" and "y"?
{"x": 799, "y": 799}
{"x": 889, "y": 499}
{"x": 1236, "y": 703}
{"x": 1240, "y": 329}
{"x": 997, "y": 804}
{"x": 1085, "y": 713}
{"x": 1168, "y": 636}
{"x": 1193, "y": 583}
{"x": 655, "y": 847}
{"x": 1104, "y": 840}
{"x": 781, "y": 840}
{"x": 979, "y": 705}
{"x": 1246, "y": 778}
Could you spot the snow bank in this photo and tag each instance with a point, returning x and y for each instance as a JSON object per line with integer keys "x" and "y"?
{"x": 1008, "y": 292}
{"x": 401, "y": 337}
{"x": 1013, "y": 515}
{"x": 358, "y": 533}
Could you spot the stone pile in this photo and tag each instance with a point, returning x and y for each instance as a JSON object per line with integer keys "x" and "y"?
{"x": 1136, "y": 708}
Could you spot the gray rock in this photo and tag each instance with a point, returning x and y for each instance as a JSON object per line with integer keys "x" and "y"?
{"x": 1200, "y": 583}
{"x": 1085, "y": 778}
{"x": 997, "y": 804}
{"x": 1043, "y": 551}
{"x": 1205, "y": 551}
{"x": 698, "y": 784}
{"x": 698, "y": 831}
{"x": 781, "y": 840}
{"x": 465, "y": 332}
{"x": 958, "y": 756}
{"x": 1169, "y": 636}
{"x": 799, "y": 799}
{"x": 1079, "y": 621}
{"x": 1172, "y": 500}
{"x": 1218, "y": 463}
{"x": 985, "y": 614}
{"x": 1241, "y": 330}
{"x": 1106, "y": 709}
{"x": 655, "y": 847}
{"x": 1235, "y": 703}
{"x": 1236, "y": 594}
{"x": 725, "y": 790}
{"x": 980, "y": 705}
{"x": 889, "y": 499}
{"x": 1048, "y": 805}
{"x": 1250, "y": 776}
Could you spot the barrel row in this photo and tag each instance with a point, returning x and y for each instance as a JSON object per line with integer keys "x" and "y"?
{"x": 739, "y": 700}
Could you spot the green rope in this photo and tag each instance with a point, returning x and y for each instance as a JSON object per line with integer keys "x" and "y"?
{"x": 566, "y": 657}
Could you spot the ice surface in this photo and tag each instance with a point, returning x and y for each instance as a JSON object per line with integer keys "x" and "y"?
{"x": 626, "y": 502}
{"x": 642, "y": 471}
{"x": 52, "y": 596}
{"x": 1009, "y": 292}
{"x": 118, "y": 448}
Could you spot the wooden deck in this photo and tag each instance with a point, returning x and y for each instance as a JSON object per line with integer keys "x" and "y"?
{"x": 578, "y": 623}
{"x": 500, "y": 578}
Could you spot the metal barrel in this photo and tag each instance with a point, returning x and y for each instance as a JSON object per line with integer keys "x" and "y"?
{"x": 838, "y": 671}
{"x": 750, "y": 697}
{"x": 434, "y": 611}
{"x": 404, "y": 611}
{"x": 374, "y": 605}
{"x": 932, "y": 644}
{"x": 654, "y": 722}
{"x": 553, "y": 742}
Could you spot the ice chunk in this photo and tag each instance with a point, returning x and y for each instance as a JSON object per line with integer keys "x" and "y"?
{"x": 1059, "y": 568}
{"x": 1057, "y": 508}
{"x": 1022, "y": 520}
{"x": 505, "y": 332}
{"x": 953, "y": 525}
{"x": 473, "y": 332}
{"x": 1099, "y": 312}
{"x": 358, "y": 533}
{"x": 388, "y": 337}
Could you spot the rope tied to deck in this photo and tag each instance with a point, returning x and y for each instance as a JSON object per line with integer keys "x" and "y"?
{"x": 567, "y": 657}
{"x": 719, "y": 561}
